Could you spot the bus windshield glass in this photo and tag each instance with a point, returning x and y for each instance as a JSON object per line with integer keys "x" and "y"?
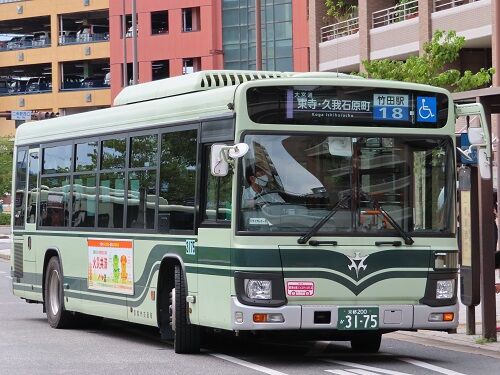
{"x": 290, "y": 182}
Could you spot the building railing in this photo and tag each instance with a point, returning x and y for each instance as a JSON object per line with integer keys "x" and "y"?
{"x": 83, "y": 38}
{"x": 26, "y": 44}
{"x": 447, "y": 4}
{"x": 340, "y": 29}
{"x": 395, "y": 14}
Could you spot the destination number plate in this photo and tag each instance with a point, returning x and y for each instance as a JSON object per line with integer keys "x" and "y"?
{"x": 357, "y": 318}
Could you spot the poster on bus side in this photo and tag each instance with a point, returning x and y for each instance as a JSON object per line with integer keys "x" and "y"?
{"x": 111, "y": 265}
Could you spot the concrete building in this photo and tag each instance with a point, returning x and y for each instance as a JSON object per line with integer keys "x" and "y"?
{"x": 177, "y": 37}
{"x": 54, "y": 57}
{"x": 397, "y": 29}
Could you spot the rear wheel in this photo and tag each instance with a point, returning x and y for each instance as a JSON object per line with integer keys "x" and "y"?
{"x": 57, "y": 316}
{"x": 186, "y": 336}
{"x": 366, "y": 343}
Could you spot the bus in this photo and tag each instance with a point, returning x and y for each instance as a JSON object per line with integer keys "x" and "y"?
{"x": 309, "y": 205}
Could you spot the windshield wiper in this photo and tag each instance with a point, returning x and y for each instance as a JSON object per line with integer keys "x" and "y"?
{"x": 390, "y": 219}
{"x": 316, "y": 227}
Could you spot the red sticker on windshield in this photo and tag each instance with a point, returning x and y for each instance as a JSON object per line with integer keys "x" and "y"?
{"x": 300, "y": 288}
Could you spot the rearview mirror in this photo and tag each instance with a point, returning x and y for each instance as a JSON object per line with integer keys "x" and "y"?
{"x": 483, "y": 163}
{"x": 222, "y": 155}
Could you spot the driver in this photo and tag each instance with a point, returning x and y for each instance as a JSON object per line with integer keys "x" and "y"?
{"x": 256, "y": 192}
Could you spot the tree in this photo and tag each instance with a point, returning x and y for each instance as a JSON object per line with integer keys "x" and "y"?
{"x": 430, "y": 68}
{"x": 6, "y": 152}
{"x": 341, "y": 9}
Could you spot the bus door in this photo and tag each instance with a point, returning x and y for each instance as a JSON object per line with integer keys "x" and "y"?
{"x": 32, "y": 199}
{"x": 214, "y": 244}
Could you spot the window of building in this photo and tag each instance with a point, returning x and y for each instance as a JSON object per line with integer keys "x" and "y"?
{"x": 159, "y": 22}
{"x": 177, "y": 181}
{"x": 20, "y": 198}
{"x": 161, "y": 69}
{"x": 191, "y": 19}
{"x": 191, "y": 65}
{"x": 128, "y": 26}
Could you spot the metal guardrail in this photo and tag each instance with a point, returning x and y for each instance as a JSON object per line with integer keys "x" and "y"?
{"x": 395, "y": 14}
{"x": 340, "y": 29}
{"x": 447, "y": 4}
{"x": 83, "y": 38}
{"x": 7, "y": 46}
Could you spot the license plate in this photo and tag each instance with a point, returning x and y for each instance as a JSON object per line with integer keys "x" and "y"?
{"x": 357, "y": 318}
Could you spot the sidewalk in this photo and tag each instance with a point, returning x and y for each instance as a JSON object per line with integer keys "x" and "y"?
{"x": 456, "y": 341}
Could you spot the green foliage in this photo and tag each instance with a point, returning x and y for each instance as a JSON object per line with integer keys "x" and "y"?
{"x": 4, "y": 218}
{"x": 341, "y": 9}
{"x": 430, "y": 68}
{"x": 6, "y": 152}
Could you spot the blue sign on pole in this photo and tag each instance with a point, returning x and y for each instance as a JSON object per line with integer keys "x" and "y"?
{"x": 464, "y": 145}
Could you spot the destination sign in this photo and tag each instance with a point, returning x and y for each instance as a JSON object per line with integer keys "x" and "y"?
{"x": 361, "y": 106}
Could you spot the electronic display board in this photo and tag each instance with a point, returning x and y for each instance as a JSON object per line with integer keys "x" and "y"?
{"x": 347, "y": 105}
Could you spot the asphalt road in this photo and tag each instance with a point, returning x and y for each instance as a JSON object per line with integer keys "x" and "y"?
{"x": 29, "y": 346}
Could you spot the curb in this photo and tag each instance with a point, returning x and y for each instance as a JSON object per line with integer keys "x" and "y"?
{"x": 488, "y": 349}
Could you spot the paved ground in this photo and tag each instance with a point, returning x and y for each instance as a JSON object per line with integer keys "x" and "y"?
{"x": 459, "y": 341}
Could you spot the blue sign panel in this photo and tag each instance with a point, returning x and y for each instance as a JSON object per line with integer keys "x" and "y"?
{"x": 464, "y": 145}
{"x": 391, "y": 107}
{"x": 426, "y": 109}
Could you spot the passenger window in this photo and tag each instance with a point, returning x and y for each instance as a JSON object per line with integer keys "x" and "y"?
{"x": 84, "y": 200}
{"x": 86, "y": 156}
{"x": 177, "y": 181}
{"x": 57, "y": 159}
{"x": 20, "y": 198}
{"x": 143, "y": 151}
{"x": 54, "y": 201}
{"x": 113, "y": 154}
{"x": 111, "y": 200}
{"x": 141, "y": 201}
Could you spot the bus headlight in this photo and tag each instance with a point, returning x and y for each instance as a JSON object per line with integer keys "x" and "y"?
{"x": 258, "y": 289}
{"x": 445, "y": 289}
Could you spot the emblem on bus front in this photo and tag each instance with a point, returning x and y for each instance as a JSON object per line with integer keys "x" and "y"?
{"x": 190, "y": 247}
{"x": 357, "y": 263}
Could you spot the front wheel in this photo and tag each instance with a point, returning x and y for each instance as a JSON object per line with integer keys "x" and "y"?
{"x": 369, "y": 343}
{"x": 186, "y": 335}
{"x": 57, "y": 316}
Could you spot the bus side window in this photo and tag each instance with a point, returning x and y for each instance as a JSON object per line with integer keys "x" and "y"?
{"x": 218, "y": 196}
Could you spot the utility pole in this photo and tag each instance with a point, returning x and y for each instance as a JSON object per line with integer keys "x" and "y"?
{"x": 258, "y": 36}
{"x": 124, "y": 36}
{"x": 135, "y": 73}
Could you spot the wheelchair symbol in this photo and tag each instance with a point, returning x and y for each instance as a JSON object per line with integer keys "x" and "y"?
{"x": 424, "y": 111}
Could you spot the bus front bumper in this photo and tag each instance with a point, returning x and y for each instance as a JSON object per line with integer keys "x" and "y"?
{"x": 293, "y": 317}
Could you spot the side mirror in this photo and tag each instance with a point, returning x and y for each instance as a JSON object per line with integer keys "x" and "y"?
{"x": 476, "y": 136}
{"x": 340, "y": 146}
{"x": 222, "y": 155}
{"x": 483, "y": 163}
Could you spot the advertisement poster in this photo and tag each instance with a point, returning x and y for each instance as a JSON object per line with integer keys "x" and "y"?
{"x": 111, "y": 265}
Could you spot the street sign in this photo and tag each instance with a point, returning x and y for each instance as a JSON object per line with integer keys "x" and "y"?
{"x": 20, "y": 115}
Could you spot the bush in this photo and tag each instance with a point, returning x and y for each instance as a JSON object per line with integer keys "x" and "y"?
{"x": 4, "y": 218}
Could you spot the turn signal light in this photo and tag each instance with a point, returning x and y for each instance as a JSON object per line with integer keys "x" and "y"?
{"x": 268, "y": 318}
{"x": 448, "y": 317}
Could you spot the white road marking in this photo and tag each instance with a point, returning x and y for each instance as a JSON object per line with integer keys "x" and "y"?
{"x": 343, "y": 372}
{"x": 352, "y": 371}
{"x": 243, "y": 363}
{"x": 430, "y": 367}
{"x": 364, "y": 367}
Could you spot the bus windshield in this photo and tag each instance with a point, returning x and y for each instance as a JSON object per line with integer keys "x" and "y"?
{"x": 290, "y": 182}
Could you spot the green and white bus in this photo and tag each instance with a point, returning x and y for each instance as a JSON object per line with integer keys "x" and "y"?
{"x": 315, "y": 204}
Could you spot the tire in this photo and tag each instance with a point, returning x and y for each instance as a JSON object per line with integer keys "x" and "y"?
{"x": 57, "y": 316}
{"x": 186, "y": 336}
{"x": 369, "y": 343}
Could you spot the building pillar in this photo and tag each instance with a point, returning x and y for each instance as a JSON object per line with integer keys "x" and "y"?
{"x": 425, "y": 8}
{"x": 495, "y": 55}
{"x": 317, "y": 12}
{"x": 365, "y": 10}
